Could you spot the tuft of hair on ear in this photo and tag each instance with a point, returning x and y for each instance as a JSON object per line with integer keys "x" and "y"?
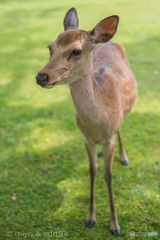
{"x": 71, "y": 19}
{"x": 104, "y": 30}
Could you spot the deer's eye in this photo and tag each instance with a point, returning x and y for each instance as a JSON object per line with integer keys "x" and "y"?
{"x": 76, "y": 52}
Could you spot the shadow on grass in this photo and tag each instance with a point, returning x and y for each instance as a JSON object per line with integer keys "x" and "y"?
{"x": 37, "y": 176}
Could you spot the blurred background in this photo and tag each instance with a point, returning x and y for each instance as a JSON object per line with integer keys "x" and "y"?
{"x": 44, "y": 177}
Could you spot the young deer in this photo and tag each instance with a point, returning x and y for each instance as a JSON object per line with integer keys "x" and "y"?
{"x": 103, "y": 89}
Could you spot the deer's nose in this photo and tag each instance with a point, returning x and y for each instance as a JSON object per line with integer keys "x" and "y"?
{"x": 42, "y": 80}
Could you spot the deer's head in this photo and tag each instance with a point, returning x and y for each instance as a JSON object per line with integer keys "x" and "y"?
{"x": 70, "y": 53}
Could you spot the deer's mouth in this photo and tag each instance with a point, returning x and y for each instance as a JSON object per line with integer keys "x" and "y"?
{"x": 50, "y": 85}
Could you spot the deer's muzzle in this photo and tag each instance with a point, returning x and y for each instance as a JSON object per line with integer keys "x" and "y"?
{"x": 42, "y": 80}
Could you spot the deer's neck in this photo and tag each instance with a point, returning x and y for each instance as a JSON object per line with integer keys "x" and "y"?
{"x": 85, "y": 99}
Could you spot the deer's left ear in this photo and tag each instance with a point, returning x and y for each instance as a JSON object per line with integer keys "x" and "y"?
{"x": 104, "y": 30}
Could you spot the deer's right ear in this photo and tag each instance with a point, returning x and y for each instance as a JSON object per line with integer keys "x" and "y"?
{"x": 71, "y": 19}
{"x": 104, "y": 30}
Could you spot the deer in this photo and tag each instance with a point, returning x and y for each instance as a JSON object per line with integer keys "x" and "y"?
{"x": 103, "y": 89}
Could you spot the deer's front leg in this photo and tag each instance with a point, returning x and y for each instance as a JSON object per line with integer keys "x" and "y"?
{"x": 108, "y": 151}
{"x": 91, "y": 150}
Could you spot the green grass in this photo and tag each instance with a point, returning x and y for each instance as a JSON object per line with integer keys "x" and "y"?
{"x": 42, "y": 157}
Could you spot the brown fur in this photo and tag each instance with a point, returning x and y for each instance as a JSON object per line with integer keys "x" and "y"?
{"x": 103, "y": 89}
{"x": 118, "y": 80}
{"x": 71, "y": 36}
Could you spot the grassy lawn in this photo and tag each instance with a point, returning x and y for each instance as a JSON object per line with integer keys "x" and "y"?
{"x": 42, "y": 157}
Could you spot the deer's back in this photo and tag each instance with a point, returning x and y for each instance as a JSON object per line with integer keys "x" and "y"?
{"x": 112, "y": 74}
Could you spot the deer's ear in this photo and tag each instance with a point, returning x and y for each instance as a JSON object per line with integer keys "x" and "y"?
{"x": 71, "y": 19}
{"x": 104, "y": 30}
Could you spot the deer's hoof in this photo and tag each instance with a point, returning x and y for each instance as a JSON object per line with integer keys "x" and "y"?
{"x": 116, "y": 233}
{"x": 100, "y": 154}
{"x": 125, "y": 162}
{"x": 90, "y": 223}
